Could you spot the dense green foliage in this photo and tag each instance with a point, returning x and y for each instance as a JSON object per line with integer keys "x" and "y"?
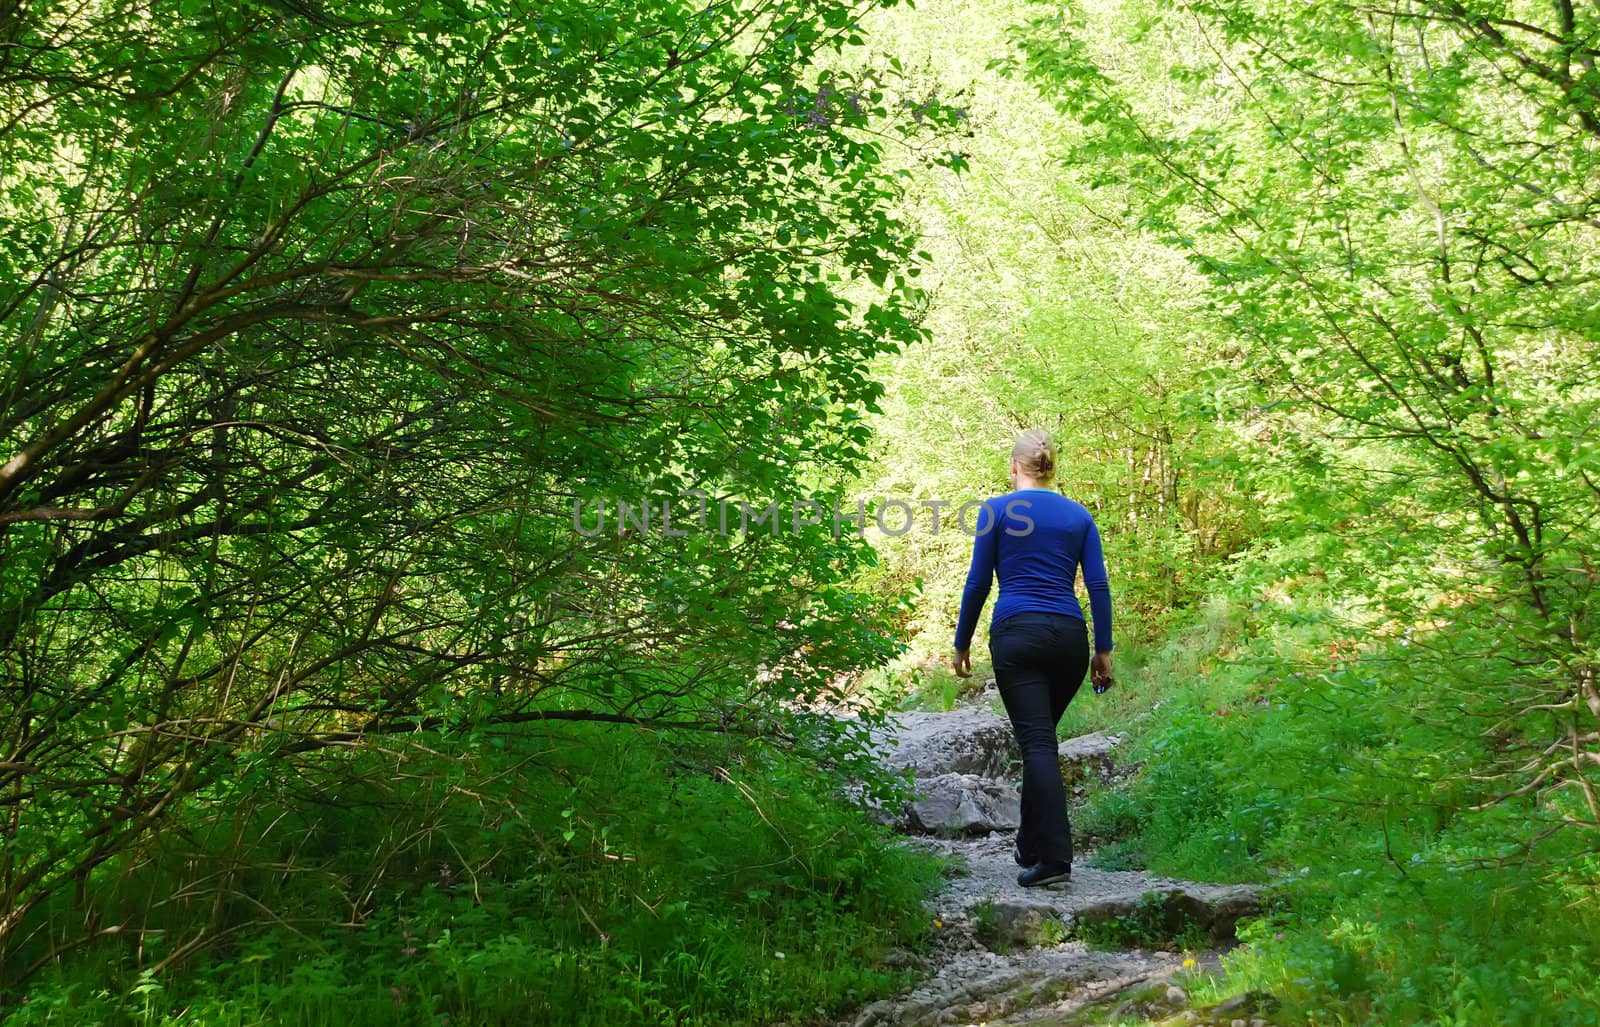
{"x": 1047, "y": 310}
{"x": 570, "y": 876}
{"x": 1284, "y": 751}
{"x": 319, "y": 325}
{"x": 1397, "y": 227}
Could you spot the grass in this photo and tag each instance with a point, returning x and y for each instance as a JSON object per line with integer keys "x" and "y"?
{"x": 571, "y": 877}
{"x": 1340, "y": 772}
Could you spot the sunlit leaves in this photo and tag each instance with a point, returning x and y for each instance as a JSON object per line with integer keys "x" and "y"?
{"x": 315, "y": 321}
{"x": 1395, "y": 210}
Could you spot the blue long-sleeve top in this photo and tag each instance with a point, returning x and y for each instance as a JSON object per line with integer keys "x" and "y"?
{"x": 1035, "y": 541}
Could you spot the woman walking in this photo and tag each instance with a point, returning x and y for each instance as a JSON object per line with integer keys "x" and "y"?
{"x": 1036, "y": 541}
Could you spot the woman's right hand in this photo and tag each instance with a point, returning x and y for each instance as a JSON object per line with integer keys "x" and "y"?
{"x": 1100, "y": 668}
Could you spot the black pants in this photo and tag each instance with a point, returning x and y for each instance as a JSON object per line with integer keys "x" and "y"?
{"x": 1040, "y": 661}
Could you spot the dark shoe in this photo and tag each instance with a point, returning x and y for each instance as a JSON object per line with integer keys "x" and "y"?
{"x": 1022, "y": 861}
{"x": 1045, "y": 873}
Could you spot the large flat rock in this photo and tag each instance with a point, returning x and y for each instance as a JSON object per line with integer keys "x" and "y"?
{"x": 976, "y": 986}
{"x": 988, "y": 893}
{"x": 966, "y": 741}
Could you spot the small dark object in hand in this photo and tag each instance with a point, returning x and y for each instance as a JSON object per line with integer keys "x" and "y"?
{"x": 1101, "y": 686}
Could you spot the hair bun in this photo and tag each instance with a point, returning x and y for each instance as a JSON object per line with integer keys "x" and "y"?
{"x": 1035, "y": 455}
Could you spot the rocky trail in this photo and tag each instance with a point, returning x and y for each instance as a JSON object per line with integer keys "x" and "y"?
{"x": 1007, "y": 955}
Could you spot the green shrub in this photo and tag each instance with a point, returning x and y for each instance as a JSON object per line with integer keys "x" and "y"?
{"x": 598, "y": 877}
{"x": 1343, "y": 772}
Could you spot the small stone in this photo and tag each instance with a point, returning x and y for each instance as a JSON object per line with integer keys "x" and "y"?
{"x": 1258, "y": 1022}
{"x": 1176, "y": 996}
{"x": 1238, "y": 1023}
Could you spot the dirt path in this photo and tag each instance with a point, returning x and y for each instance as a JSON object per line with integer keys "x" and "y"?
{"x": 1008, "y": 955}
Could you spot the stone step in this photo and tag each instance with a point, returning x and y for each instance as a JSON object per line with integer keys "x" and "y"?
{"x": 986, "y": 895}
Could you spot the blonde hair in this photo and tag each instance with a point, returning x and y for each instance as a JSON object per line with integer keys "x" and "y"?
{"x": 1035, "y": 455}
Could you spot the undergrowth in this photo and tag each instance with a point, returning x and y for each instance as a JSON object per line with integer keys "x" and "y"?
{"x": 1154, "y": 922}
{"x": 1333, "y": 761}
{"x": 572, "y": 876}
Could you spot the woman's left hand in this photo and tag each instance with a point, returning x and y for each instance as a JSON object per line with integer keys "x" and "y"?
{"x": 962, "y": 663}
